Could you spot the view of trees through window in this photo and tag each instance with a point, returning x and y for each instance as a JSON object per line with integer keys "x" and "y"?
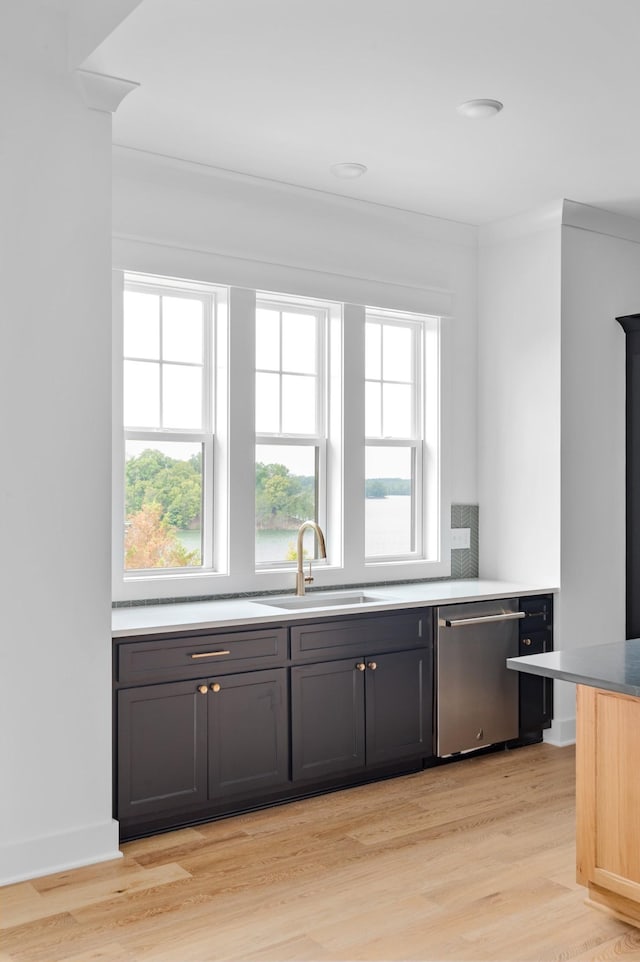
{"x": 163, "y": 506}
{"x": 167, "y": 414}
{"x": 286, "y": 495}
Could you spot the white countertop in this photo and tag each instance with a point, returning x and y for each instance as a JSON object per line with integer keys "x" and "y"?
{"x": 193, "y": 615}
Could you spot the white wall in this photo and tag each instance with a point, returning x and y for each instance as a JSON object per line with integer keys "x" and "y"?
{"x": 190, "y": 221}
{"x": 551, "y": 440}
{"x": 55, "y": 252}
{"x": 600, "y": 281}
{"x": 519, "y": 399}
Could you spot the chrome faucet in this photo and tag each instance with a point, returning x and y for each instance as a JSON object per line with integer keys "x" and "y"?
{"x": 300, "y": 578}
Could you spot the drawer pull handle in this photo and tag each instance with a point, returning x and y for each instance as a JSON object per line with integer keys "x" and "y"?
{"x": 215, "y": 687}
{"x": 372, "y": 665}
{"x": 210, "y": 654}
{"x": 526, "y": 641}
{"x": 361, "y": 666}
{"x": 203, "y": 689}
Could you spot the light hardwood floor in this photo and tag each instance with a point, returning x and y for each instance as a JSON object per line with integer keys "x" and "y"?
{"x": 471, "y": 861}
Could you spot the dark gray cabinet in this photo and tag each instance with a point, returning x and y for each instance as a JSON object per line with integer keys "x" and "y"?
{"x": 212, "y": 722}
{"x": 188, "y": 744}
{"x": 535, "y": 692}
{"x": 208, "y": 723}
{"x": 247, "y": 726}
{"x": 398, "y": 706}
{"x": 631, "y": 326}
{"x": 327, "y": 719}
{"x": 162, "y": 748}
{"x": 360, "y": 712}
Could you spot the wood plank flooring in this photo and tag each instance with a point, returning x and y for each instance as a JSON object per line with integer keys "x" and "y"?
{"x": 472, "y": 861}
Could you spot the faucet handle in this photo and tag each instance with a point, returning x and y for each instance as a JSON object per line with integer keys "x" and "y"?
{"x": 309, "y": 578}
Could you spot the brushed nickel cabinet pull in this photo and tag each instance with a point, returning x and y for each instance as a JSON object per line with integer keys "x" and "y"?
{"x": 210, "y": 654}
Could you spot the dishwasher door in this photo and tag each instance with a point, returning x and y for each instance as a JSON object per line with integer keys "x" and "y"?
{"x": 476, "y": 694}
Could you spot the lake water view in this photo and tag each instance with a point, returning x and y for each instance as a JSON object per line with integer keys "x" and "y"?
{"x": 388, "y": 527}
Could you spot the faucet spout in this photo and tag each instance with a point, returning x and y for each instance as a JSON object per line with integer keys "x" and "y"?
{"x": 300, "y": 578}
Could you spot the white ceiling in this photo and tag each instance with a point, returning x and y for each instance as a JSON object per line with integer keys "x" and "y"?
{"x": 282, "y": 89}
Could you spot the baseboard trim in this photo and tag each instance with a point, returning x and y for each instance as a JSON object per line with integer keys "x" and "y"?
{"x": 561, "y": 733}
{"x": 49, "y": 854}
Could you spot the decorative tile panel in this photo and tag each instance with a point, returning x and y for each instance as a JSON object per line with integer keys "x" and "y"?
{"x": 464, "y": 561}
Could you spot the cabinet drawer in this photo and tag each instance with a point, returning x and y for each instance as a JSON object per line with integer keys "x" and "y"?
{"x": 538, "y": 610}
{"x": 535, "y": 643}
{"x": 200, "y": 655}
{"x": 325, "y": 640}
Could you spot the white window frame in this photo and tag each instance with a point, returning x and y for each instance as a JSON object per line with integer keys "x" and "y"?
{"x": 420, "y": 326}
{"x": 213, "y": 299}
{"x": 318, "y": 439}
{"x": 341, "y": 505}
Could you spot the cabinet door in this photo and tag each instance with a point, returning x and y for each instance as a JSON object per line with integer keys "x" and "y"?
{"x": 248, "y": 739}
{"x": 398, "y": 706}
{"x": 327, "y": 718}
{"x": 608, "y": 799}
{"x": 162, "y": 748}
{"x": 536, "y": 693}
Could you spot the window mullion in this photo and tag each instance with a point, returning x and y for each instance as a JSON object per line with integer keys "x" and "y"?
{"x": 280, "y": 371}
{"x": 161, "y": 360}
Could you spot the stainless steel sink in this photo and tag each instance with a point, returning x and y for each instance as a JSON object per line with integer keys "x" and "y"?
{"x": 321, "y": 600}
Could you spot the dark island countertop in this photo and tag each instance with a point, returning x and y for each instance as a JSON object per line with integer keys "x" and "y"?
{"x": 614, "y": 667}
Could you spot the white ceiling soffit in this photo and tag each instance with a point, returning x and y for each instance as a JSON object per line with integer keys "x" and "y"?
{"x": 286, "y": 88}
{"x": 91, "y": 22}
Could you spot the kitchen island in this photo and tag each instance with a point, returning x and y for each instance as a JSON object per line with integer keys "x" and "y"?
{"x": 607, "y": 768}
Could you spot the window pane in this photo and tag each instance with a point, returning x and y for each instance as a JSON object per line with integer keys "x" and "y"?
{"x": 141, "y": 325}
{"x": 388, "y": 501}
{"x": 182, "y": 328}
{"x": 163, "y": 505}
{"x": 298, "y": 404}
{"x": 397, "y": 419}
{"x": 267, "y": 403}
{"x": 267, "y": 340}
{"x": 373, "y": 411}
{"x": 141, "y": 394}
{"x": 299, "y": 343}
{"x": 397, "y": 353}
{"x": 285, "y": 497}
{"x": 373, "y": 348}
{"x": 181, "y": 397}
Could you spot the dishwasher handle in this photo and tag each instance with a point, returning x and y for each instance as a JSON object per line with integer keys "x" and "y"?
{"x": 484, "y": 619}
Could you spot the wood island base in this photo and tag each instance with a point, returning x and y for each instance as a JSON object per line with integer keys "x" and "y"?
{"x": 608, "y": 801}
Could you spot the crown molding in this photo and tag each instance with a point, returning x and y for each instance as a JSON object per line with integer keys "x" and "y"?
{"x": 599, "y": 221}
{"x": 532, "y": 222}
{"x": 134, "y": 160}
{"x": 102, "y": 92}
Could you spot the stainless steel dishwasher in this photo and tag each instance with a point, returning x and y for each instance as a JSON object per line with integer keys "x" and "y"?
{"x": 476, "y": 695}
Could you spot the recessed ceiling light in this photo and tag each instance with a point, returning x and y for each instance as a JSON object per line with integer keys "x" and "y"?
{"x": 480, "y": 109}
{"x": 348, "y": 171}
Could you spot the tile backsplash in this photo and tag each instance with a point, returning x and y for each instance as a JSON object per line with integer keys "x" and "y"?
{"x": 464, "y": 561}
